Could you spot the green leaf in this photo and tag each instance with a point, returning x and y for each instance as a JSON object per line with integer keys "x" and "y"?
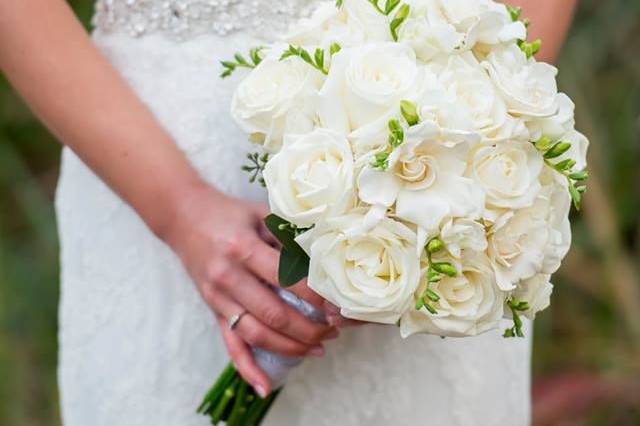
{"x": 241, "y": 60}
{"x": 514, "y": 12}
{"x": 398, "y": 19}
{"x": 390, "y": 5}
{"x": 380, "y": 161}
{"x": 281, "y": 229}
{"x": 339, "y": 3}
{"x": 576, "y": 197}
{"x": 431, "y": 309}
{"x": 319, "y": 57}
{"x": 432, "y": 295}
{"x": 334, "y": 48}
{"x": 557, "y": 150}
{"x": 293, "y": 267}
{"x": 255, "y": 55}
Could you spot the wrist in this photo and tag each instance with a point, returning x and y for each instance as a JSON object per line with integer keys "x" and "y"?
{"x": 178, "y": 208}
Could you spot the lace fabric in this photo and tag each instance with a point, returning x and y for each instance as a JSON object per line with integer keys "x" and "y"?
{"x": 186, "y": 19}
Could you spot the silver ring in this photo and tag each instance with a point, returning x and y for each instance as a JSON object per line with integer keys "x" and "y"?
{"x": 233, "y": 320}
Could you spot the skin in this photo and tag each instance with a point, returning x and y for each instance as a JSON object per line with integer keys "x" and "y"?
{"x": 221, "y": 240}
{"x": 550, "y": 21}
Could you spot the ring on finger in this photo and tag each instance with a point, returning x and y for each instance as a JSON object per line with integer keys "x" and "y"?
{"x": 233, "y": 320}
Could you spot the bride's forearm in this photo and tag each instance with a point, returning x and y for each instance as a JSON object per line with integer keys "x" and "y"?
{"x": 51, "y": 61}
{"x": 550, "y": 20}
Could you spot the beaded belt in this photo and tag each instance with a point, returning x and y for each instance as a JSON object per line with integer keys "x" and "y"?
{"x": 186, "y": 19}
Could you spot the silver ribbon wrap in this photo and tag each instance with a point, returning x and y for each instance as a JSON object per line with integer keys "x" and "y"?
{"x": 276, "y": 366}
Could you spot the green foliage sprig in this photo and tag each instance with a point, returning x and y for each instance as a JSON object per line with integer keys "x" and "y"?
{"x": 516, "y": 306}
{"x": 389, "y": 6}
{"x": 435, "y": 273}
{"x": 529, "y": 48}
{"x": 239, "y": 61}
{"x": 257, "y": 163}
{"x": 294, "y": 261}
{"x": 408, "y": 111}
{"x": 575, "y": 179}
{"x": 317, "y": 60}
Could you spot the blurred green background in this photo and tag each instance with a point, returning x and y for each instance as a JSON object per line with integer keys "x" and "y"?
{"x": 587, "y": 346}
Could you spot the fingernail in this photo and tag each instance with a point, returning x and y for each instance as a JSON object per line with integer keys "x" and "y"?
{"x": 261, "y": 391}
{"x": 316, "y": 351}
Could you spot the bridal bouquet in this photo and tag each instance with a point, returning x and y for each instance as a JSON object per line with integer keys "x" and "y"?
{"x": 420, "y": 166}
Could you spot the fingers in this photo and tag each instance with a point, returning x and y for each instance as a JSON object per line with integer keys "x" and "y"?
{"x": 243, "y": 360}
{"x": 271, "y": 311}
{"x": 304, "y": 292}
{"x": 253, "y": 332}
{"x": 336, "y": 319}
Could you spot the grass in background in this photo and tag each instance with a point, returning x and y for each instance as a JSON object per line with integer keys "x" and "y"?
{"x": 587, "y": 346}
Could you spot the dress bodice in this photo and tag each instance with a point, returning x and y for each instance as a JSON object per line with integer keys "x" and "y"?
{"x": 185, "y": 19}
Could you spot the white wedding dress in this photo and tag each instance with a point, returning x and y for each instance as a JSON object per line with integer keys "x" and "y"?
{"x": 137, "y": 345}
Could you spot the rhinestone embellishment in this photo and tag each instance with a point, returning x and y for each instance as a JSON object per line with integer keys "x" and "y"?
{"x": 186, "y": 19}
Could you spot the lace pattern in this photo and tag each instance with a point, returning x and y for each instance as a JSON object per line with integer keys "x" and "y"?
{"x": 186, "y": 19}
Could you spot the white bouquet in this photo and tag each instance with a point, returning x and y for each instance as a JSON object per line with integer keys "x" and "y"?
{"x": 420, "y": 165}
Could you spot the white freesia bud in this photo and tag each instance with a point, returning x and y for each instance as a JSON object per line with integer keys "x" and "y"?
{"x": 424, "y": 179}
{"x": 371, "y": 276}
{"x": 365, "y": 84}
{"x": 508, "y": 172}
{"x": 276, "y": 98}
{"x": 463, "y": 234}
{"x": 528, "y": 87}
{"x": 536, "y": 291}
{"x": 311, "y": 177}
{"x": 469, "y": 303}
{"x": 533, "y": 240}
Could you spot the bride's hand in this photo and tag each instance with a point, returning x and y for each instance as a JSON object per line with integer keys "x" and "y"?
{"x": 230, "y": 255}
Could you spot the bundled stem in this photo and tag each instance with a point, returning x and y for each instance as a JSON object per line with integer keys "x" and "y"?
{"x": 233, "y": 401}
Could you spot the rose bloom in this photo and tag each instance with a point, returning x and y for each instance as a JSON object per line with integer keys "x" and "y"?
{"x": 526, "y": 242}
{"x": 365, "y": 84}
{"x": 311, "y": 177}
{"x": 536, "y": 291}
{"x": 276, "y": 98}
{"x": 370, "y": 275}
{"x": 528, "y": 87}
{"x": 470, "y": 303}
{"x": 508, "y": 172}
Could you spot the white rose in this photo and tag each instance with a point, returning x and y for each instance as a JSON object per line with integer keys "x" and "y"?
{"x": 311, "y": 177}
{"x": 428, "y": 39}
{"x": 536, "y": 291}
{"x": 528, "y": 87}
{"x": 462, "y": 234}
{"x": 558, "y": 124}
{"x": 276, "y": 97}
{"x": 366, "y": 83}
{"x": 475, "y": 94}
{"x": 533, "y": 240}
{"x": 476, "y": 21}
{"x": 508, "y": 172}
{"x": 371, "y": 276}
{"x": 424, "y": 180}
{"x": 470, "y": 303}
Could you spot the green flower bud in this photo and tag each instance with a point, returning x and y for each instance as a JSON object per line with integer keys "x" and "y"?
{"x": 435, "y": 245}
{"x": 445, "y": 268}
{"x": 557, "y": 150}
{"x": 582, "y": 175}
{"x": 334, "y": 48}
{"x": 543, "y": 144}
{"x": 409, "y": 112}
